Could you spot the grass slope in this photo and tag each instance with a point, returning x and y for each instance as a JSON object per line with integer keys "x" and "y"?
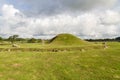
{"x": 67, "y": 39}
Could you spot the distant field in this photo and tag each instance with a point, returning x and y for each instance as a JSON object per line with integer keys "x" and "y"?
{"x": 91, "y": 64}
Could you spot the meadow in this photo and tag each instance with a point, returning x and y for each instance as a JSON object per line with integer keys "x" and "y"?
{"x": 87, "y": 62}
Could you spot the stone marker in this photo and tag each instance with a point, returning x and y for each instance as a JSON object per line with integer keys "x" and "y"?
{"x": 15, "y": 45}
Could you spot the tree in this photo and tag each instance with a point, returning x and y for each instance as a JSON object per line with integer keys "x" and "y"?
{"x": 32, "y": 40}
{"x": 13, "y": 38}
{"x": 1, "y": 38}
{"x": 39, "y": 40}
{"x": 118, "y": 39}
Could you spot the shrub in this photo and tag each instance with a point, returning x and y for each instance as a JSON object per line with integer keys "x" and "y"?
{"x": 32, "y": 40}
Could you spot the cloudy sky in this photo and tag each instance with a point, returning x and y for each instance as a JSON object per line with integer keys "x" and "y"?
{"x": 45, "y": 18}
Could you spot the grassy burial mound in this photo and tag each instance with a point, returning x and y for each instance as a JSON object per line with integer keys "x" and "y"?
{"x": 67, "y": 39}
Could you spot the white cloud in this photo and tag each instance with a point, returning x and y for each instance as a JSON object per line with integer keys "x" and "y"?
{"x": 88, "y": 25}
{"x": 9, "y": 11}
{"x": 111, "y": 17}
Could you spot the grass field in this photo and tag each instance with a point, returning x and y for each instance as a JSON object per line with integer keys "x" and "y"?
{"x": 91, "y": 64}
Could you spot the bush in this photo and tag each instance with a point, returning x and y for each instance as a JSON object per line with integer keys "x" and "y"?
{"x": 32, "y": 40}
{"x": 1, "y": 38}
{"x": 118, "y": 39}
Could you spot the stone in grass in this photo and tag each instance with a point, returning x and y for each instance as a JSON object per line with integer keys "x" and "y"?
{"x": 8, "y": 50}
{"x": 82, "y": 50}
{"x": 15, "y": 45}
{"x": 105, "y": 45}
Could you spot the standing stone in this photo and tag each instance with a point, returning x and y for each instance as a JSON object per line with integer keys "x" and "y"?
{"x": 105, "y": 45}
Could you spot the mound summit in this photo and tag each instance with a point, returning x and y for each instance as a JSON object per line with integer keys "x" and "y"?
{"x": 67, "y": 39}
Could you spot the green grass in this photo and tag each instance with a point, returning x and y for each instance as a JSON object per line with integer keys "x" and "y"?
{"x": 91, "y": 64}
{"x": 67, "y": 39}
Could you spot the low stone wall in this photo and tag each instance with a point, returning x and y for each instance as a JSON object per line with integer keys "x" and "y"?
{"x": 51, "y": 49}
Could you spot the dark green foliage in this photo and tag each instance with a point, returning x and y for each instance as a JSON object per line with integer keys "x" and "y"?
{"x": 13, "y": 38}
{"x": 39, "y": 40}
{"x": 1, "y": 39}
{"x": 118, "y": 38}
{"x": 20, "y": 39}
{"x": 32, "y": 40}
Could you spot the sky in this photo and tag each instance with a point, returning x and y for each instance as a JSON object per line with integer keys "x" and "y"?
{"x": 45, "y": 18}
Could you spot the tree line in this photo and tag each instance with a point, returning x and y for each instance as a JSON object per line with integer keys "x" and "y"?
{"x": 105, "y": 40}
{"x": 16, "y": 38}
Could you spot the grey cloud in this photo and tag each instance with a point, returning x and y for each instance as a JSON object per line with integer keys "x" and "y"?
{"x": 87, "y": 4}
{"x": 49, "y": 7}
